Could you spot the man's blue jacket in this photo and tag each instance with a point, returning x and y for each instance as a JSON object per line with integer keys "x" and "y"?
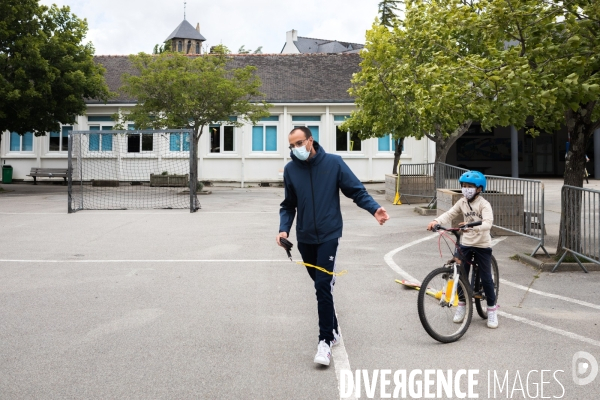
{"x": 313, "y": 188}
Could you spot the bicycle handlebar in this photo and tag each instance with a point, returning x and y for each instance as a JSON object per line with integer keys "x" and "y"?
{"x": 469, "y": 225}
{"x": 455, "y": 230}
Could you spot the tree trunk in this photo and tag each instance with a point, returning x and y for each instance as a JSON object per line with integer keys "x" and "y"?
{"x": 397, "y": 154}
{"x": 442, "y": 146}
{"x": 580, "y": 128}
{"x": 194, "y": 206}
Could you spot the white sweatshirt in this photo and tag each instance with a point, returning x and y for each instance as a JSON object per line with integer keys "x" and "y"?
{"x": 478, "y": 210}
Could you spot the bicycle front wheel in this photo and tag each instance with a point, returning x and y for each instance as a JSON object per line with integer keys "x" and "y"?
{"x": 478, "y": 293}
{"x": 437, "y": 317}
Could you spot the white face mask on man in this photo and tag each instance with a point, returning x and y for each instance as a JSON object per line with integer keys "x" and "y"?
{"x": 469, "y": 193}
{"x": 301, "y": 153}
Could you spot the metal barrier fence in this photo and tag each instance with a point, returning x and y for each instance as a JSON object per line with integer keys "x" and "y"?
{"x": 518, "y": 204}
{"x": 580, "y": 224}
{"x": 447, "y": 176}
{"x": 416, "y": 180}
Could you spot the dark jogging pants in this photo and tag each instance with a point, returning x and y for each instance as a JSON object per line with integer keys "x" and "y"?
{"x": 483, "y": 258}
{"x": 323, "y": 255}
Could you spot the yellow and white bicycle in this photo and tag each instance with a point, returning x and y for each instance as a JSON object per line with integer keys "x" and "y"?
{"x": 444, "y": 287}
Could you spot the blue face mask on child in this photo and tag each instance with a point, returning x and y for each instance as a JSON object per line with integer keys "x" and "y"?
{"x": 301, "y": 153}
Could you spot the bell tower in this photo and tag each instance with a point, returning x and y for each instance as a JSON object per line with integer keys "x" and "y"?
{"x": 185, "y": 38}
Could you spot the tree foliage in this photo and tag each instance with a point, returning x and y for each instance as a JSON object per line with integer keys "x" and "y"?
{"x": 165, "y": 47}
{"x": 448, "y": 63}
{"x": 387, "y": 12}
{"x": 387, "y": 18}
{"x": 46, "y": 72}
{"x": 433, "y": 74}
{"x": 220, "y": 49}
{"x": 179, "y": 91}
{"x": 244, "y": 50}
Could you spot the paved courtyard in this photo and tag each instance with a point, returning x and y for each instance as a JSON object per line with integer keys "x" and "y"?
{"x": 164, "y": 304}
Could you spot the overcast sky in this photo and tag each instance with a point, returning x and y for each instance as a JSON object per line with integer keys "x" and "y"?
{"x": 132, "y": 26}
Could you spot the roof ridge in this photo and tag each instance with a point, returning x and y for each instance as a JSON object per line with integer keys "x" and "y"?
{"x": 330, "y": 40}
{"x": 242, "y": 55}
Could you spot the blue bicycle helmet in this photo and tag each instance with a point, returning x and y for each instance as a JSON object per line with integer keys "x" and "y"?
{"x": 474, "y": 177}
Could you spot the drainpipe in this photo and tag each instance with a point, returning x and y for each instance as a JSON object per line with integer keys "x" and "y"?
{"x": 243, "y": 151}
{"x": 597, "y": 154}
{"x": 285, "y": 130}
{"x": 514, "y": 147}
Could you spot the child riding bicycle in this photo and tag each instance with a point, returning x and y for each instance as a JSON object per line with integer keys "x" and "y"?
{"x": 475, "y": 241}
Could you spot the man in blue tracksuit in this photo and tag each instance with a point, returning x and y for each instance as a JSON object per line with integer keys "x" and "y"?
{"x": 313, "y": 180}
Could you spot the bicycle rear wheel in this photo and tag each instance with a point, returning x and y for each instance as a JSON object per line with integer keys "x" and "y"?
{"x": 478, "y": 293}
{"x": 438, "y": 318}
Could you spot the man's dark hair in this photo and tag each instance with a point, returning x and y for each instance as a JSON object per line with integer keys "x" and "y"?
{"x": 307, "y": 132}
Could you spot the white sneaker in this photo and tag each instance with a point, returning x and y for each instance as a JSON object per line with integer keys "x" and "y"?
{"x": 461, "y": 311}
{"x": 336, "y": 338}
{"x": 492, "y": 321}
{"x": 323, "y": 353}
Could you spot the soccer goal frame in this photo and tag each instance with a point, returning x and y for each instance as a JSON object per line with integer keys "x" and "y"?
{"x": 132, "y": 169}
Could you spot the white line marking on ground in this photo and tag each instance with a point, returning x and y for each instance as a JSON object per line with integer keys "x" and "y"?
{"x": 7, "y": 213}
{"x": 554, "y": 296}
{"x": 340, "y": 360}
{"x": 551, "y": 329}
{"x": 138, "y": 261}
{"x": 496, "y": 241}
{"x": 388, "y": 259}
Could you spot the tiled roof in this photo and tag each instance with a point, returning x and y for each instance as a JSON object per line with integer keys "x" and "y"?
{"x": 185, "y": 30}
{"x": 286, "y": 78}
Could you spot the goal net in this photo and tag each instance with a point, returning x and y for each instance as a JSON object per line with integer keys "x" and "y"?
{"x": 131, "y": 169}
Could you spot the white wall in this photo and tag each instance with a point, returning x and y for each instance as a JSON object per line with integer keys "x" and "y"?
{"x": 243, "y": 164}
{"x": 290, "y": 38}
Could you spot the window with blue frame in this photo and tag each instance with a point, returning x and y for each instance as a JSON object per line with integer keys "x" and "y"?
{"x": 308, "y": 121}
{"x": 100, "y": 141}
{"x": 264, "y": 135}
{"x": 21, "y": 142}
{"x": 179, "y": 141}
{"x": 59, "y": 141}
{"x": 386, "y": 143}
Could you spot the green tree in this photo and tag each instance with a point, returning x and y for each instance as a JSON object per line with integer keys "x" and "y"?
{"x": 244, "y": 50}
{"x": 387, "y": 17}
{"x": 561, "y": 41}
{"x": 434, "y": 73}
{"x": 219, "y": 49}
{"x": 46, "y": 72}
{"x": 177, "y": 91}
{"x": 387, "y": 12}
{"x": 162, "y": 48}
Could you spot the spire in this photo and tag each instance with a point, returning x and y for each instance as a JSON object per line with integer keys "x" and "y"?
{"x": 184, "y": 5}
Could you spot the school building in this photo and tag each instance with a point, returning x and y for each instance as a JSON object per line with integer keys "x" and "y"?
{"x": 307, "y": 84}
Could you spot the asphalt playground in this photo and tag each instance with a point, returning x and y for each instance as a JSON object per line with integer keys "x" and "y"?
{"x": 164, "y": 304}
